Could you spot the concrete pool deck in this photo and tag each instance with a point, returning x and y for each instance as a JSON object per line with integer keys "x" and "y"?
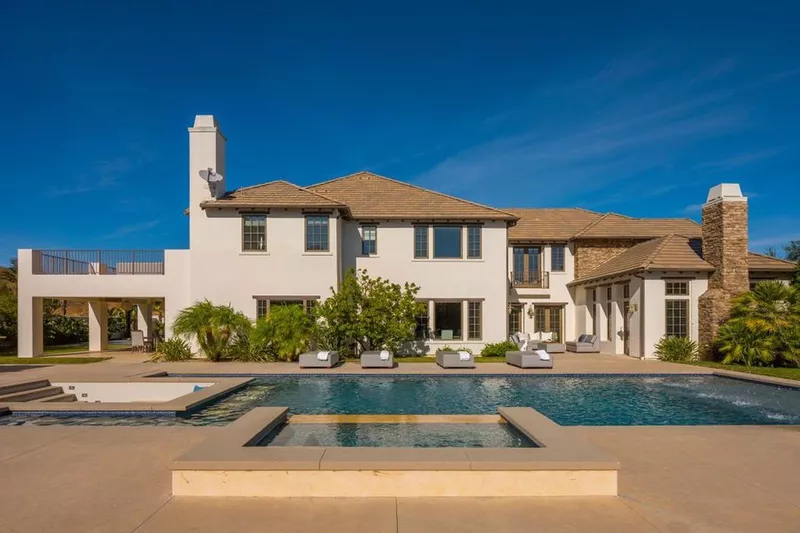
{"x": 715, "y": 479}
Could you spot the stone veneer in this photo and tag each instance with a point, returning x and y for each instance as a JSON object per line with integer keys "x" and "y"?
{"x": 725, "y": 247}
{"x": 590, "y": 253}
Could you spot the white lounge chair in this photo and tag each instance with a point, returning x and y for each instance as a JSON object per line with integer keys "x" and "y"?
{"x": 318, "y": 359}
{"x": 451, "y": 359}
{"x": 377, "y": 359}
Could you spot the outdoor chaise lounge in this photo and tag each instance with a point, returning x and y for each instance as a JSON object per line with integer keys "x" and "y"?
{"x": 585, "y": 344}
{"x": 529, "y": 355}
{"x": 377, "y": 359}
{"x": 318, "y": 359}
{"x": 455, "y": 359}
{"x": 534, "y": 359}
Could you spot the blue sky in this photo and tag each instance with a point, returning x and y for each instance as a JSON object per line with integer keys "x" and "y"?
{"x": 610, "y": 106}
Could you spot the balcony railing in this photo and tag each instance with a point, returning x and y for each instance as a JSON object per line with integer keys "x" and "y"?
{"x": 98, "y": 262}
{"x": 530, "y": 280}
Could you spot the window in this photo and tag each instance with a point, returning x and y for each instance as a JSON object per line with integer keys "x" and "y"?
{"x": 557, "y": 258}
{"x": 262, "y": 307}
{"x": 594, "y": 295}
{"x": 527, "y": 262}
{"x": 540, "y": 319}
{"x": 447, "y": 320}
{"x": 514, "y": 319}
{"x": 474, "y": 321}
{"x": 677, "y": 288}
{"x": 420, "y": 242}
{"x": 254, "y": 233}
{"x": 626, "y": 291}
{"x": 422, "y": 331}
{"x": 447, "y": 242}
{"x": 609, "y": 294}
{"x": 317, "y": 233}
{"x": 473, "y": 242}
{"x": 369, "y": 240}
{"x": 677, "y": 317}
{"x": 310, "y": 305}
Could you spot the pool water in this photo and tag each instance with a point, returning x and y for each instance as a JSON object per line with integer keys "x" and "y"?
{"x": 568, "y": 400}
{"x": 426, "y": 435}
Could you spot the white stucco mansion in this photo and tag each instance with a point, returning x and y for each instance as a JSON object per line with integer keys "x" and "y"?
{"x": 483, "y": 272}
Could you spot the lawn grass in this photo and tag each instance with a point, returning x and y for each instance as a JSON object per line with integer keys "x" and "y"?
{"x": 14, "y": 360}
{"x": 432, "y": 359}
{"x": 71, "y": 348}
{"x": 780, "y": 372}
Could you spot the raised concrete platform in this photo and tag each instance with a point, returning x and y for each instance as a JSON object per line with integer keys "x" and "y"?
{"x": 230, "y": 465}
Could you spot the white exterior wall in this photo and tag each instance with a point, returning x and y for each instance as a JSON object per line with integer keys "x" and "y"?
{"x": 482, "y": 279}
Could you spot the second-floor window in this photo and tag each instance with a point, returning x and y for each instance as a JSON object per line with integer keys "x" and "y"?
{"x": 369, "y": 239}
{"x": 317, "y": 233}
{"x": 473, "y": 242}
{"x": 557, "y": 263}
{"x": 420, "y": 242}
{"x": 447, "y": 242}
{"x": 254, "y": 233}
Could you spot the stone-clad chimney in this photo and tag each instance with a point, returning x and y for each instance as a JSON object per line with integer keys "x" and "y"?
{"x": 725, "y": 247}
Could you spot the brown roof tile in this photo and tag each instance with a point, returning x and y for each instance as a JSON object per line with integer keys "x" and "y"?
{"x": 764, "y": 262}
{"x": 612, "y": 225}
{"x": 274, "y": 194}
{"x": 671, "y": 252}
{"x": 549, "y": 223}
{"x": 370, "y": 196}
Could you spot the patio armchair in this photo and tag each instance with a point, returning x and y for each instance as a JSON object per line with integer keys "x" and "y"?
{"x": 139, "y": 343}
{"x": 585, "y": 344}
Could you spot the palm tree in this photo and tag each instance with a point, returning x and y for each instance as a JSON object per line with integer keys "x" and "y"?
{"x": 740, "y": 343}
{"x": 214, "y": 327}
{"x": 287, "y": 329}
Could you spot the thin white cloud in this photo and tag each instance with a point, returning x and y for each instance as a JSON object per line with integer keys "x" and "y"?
{"x": 775, "y": 240}
{"x": 740, "y": 160}
{"x": 122, "y": 231}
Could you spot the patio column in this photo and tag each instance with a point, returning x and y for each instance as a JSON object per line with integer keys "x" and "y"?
{"x": 30, "y": 327}
{"x": 144, "y": 319}
{"x": 98, "y": 326}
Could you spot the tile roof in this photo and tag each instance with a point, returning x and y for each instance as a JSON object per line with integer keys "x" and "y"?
{"x": 671, "y": 252}
{"x": 764, "y": 262}
{"x": 370, "y": 196}
{"x": 274, "y": 194}
{"x": 612, "y": 225}
{"x": 550, "y": 223}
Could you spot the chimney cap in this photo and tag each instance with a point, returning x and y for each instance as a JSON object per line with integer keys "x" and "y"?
{"x": 205, "y": 121}
{"x": 725, "y": 192}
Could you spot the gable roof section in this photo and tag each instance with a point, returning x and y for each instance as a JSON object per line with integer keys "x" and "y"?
{"x": 671, "y": 252}
{"x": 558, "y": 224}
{"x": 762, "y": 262}
{"x": 370, "y": 196}
{"x": 614, "y": 226}
{"x": 274, "y": 194}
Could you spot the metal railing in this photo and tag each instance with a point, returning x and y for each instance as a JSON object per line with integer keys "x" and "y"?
{"x": 530, "y": 280}
{"x": 98, "y": 262}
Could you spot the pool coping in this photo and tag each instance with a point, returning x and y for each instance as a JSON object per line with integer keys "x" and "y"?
{"x": 222, "y": 386}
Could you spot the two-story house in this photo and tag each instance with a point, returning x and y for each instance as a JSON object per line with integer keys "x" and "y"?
{"x": 483, "y": 272}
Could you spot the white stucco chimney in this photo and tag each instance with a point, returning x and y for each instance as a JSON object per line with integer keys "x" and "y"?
{"x": 206, "y": 150}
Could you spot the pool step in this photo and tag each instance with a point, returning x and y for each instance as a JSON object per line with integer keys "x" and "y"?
{"x": 19, "y": 386}
{"x": 32, "y": 394}
{"x": 65, "y": 397}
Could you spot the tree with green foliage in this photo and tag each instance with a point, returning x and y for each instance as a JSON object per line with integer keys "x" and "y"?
{"x": 764, "y": 327}
{"x": 771, "y": 251}
{"x": 214, "y": 326}
{"x": 367, "y": 313}
{"x": 286, "y": 331}
{"x": 793, "y": 251}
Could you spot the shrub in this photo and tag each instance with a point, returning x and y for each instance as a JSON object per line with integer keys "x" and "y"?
{"x": 248, "y": 350}
{"x": 174, "y": 349}
{"x": 285, "y": 332}
{"x": 739, "y": 342}
{"x": 498, "y": 349}
{"x": 676, "y": 349}
{"x": 447, "y": 348}
{"x": 214, "y": 326}
{"x": 59, "y": 329}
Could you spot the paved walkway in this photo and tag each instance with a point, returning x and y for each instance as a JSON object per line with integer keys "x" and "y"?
{"x": 673, "y": 479}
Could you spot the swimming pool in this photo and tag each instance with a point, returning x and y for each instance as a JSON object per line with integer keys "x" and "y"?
{"x": 379, "y": 435}
{"x": 594, "y": 400}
